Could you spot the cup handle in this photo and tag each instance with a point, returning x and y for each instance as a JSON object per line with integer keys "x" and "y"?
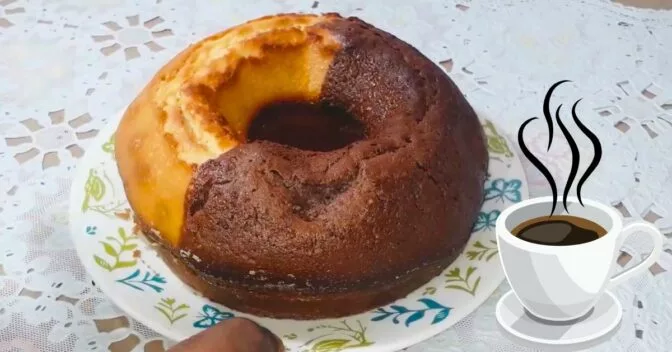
{"x": 657, "y": 239}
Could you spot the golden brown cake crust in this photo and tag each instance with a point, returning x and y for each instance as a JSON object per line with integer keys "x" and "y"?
{"x": 280, "y": 231}
{"x": 173, "y": 125}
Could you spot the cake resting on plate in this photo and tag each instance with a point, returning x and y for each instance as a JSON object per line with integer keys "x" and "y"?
{"x": 303, "y": 166}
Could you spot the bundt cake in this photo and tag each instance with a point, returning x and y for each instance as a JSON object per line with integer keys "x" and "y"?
{"x": 303, "y": 166}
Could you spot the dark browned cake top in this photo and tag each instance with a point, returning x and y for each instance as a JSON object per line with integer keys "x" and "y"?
{"x": 398, "y": 193}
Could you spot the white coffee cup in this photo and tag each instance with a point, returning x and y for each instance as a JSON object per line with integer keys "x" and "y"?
{"x": 562, "y": 283}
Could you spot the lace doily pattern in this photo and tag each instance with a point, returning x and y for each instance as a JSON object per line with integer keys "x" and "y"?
{"x": 69, "y": 65}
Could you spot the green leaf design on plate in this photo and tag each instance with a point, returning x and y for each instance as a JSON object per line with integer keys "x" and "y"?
{"x": 330, "y": 345}
{"x": 481, "y": 251}
{"x": 108, "y": 147}
{"x": 124, "y": 244}
{"x": 94, "y": 188}
{"x": 109, "y": 249}
{"x": 95, "y": 191}
{"x": 335, "y": 338}
{"x": 102, "y": 263}
{"x": 169, "y": 310}
{"x": 122, "y": 233}
{"x": 496, "y": 143}
{"x": 129, "y": 247}
{"x": 125, "y": 264}
{"x": 430, "y": 290}
{"x": 456, "y": 280}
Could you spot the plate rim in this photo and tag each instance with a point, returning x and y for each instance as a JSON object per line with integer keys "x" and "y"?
{"x": 176, "y": 335}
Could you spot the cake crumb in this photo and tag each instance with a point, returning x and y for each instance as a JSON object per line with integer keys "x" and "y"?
{"x": 252, "y": 272}
{"x": 124, "y": 215}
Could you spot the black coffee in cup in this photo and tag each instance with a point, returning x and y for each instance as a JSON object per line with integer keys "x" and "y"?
{"x": 558, "y": 230}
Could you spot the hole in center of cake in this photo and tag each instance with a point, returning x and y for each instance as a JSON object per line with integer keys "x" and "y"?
{"x": 307, "y": 126}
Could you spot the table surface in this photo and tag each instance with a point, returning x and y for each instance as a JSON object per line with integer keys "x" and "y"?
{"x": 68, "y": 65}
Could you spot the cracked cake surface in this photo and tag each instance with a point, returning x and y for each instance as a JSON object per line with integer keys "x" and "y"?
{"x": 311, "y": 166}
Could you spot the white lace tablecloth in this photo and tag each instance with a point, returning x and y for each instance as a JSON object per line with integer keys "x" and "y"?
{"x": 66, "y": 66}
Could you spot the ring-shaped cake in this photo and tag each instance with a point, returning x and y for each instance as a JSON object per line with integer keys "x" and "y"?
{"x": 303, "y": 166}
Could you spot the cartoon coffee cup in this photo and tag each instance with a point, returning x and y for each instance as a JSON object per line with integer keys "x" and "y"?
{"x": 559, "y": 266}
{"x": 560, "y": 262}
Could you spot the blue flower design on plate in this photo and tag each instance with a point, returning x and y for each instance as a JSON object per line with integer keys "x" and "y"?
{"x": 486, "y": 221}
{"x": 148, "y": 280}
{"x": 91, "y": 230}
{"x": 501, "y": 189}
{"x": 413, "y": 315}
{"x": 211, "y": 316}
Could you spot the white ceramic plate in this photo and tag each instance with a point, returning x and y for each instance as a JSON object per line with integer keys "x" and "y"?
{"x": 136, "y": 279}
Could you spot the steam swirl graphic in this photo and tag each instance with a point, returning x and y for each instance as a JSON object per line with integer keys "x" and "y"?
{"x": 547, "y": 111}
{"x": 597, "y": 147}
{"x": 536, "y": 162}
{"x": 576, "y": 157}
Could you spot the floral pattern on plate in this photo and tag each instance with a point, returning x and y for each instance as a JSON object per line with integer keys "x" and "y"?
{"x": 133, "y": 275}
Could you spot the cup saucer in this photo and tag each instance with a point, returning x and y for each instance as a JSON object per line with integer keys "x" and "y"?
{"x": 594, "y": 328}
